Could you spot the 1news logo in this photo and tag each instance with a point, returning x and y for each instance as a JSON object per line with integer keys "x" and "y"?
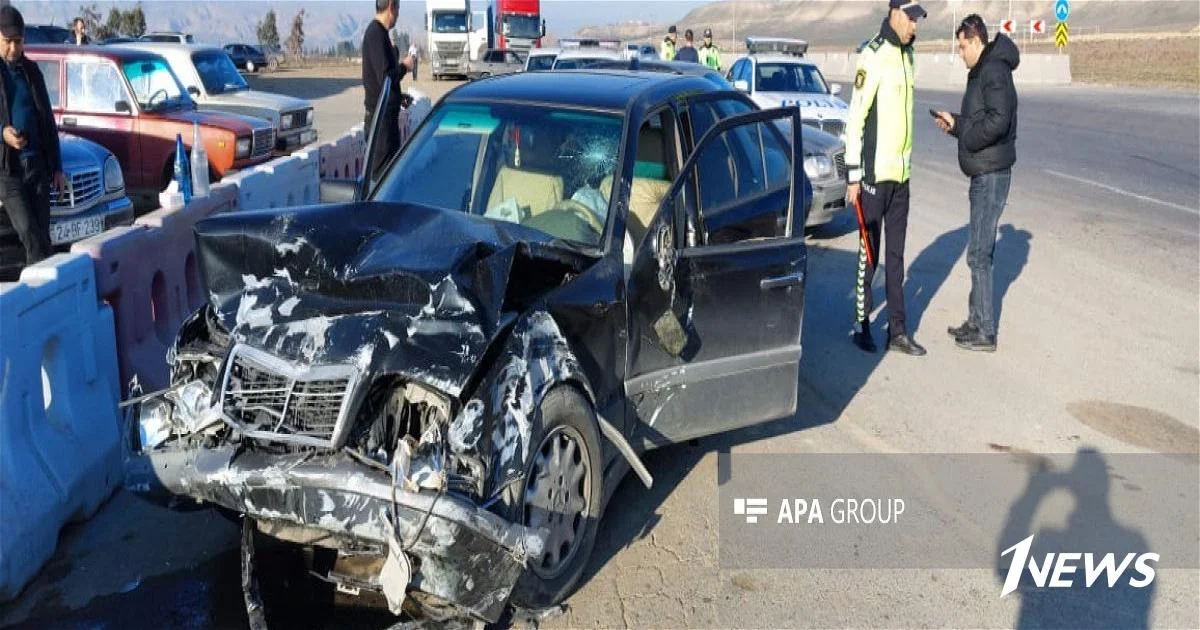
{"x": 750, "y": 508}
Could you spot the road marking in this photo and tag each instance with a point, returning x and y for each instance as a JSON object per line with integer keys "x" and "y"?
{"x": 1121, "y": 191}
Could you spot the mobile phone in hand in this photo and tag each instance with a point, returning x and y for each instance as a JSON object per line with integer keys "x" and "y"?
{"x": 933, "y": 112}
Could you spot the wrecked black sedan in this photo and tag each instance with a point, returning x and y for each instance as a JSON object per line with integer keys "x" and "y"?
{"x": 442, "y": 382}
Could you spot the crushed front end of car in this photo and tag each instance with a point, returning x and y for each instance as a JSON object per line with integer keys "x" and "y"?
{"x": 366, "y": 390}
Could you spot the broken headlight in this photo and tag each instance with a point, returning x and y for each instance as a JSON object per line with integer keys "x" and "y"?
{"x": 181, "y": 411}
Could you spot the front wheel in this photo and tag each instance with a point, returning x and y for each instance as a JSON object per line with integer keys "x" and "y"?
{"x": 562, "y": 493}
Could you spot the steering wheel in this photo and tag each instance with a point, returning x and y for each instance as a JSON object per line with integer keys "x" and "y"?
{"x": 567, "y": 209}
{"x": 163, "y": 91}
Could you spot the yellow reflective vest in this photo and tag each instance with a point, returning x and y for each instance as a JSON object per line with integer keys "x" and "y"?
{"x": 668, "y": 49}
{"x": 711, "y": 56}
{"x": 880, "y": 126}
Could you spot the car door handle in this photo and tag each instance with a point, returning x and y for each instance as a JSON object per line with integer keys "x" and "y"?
{"x": 69, "y": 121}
{"x": 780, "y": 282}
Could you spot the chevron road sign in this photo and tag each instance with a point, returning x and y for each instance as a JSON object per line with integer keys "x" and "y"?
{"x": 1060, "y": 35}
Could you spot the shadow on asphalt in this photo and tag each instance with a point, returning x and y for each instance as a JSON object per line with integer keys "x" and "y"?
{"x": 299, "y": 86}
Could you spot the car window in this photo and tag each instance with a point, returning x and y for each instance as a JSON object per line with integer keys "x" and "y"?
{"x": 789, "y": 77}
{"x": 50, "y": 73}
{"x": 655, "y": 166}
{"x": 217, "y": 73}
{"x": 547, "y": 168}
{"x": 541, "y": 62}
{"x": 94, "y": 86}
{"x": 705, "y": 113}
{"x": 576, "y": 63}
{"x": 154, "y": 85}
{"x": 743, "y": 183}
{"x": 513, "y": 58}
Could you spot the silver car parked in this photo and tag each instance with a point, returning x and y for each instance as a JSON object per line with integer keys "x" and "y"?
{"x": 495, "y": 62}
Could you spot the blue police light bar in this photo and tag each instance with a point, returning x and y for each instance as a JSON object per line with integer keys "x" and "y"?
{"x": 756, "y": 45}
{"x": 614, "y": 44}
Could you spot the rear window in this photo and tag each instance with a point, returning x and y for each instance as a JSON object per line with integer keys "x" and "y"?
{"x": 541, "y": 62}
{"x": 578, "y": 62}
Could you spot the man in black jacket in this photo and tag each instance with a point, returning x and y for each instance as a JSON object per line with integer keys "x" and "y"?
{"x": 29, "y": 155}
{"x": 986, "y": 130}
{"x": 380, "y": 62}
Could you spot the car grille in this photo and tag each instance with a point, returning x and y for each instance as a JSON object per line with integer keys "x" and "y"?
{"x": 264, "y": 142}
{"x": 449, "y": 50}
{"x": 310, "y": 402}
{"x": 829, "y": 126}
{"x": 86, "y": 187}
{"x": 839, "y": 160}
{"x": 300, "y": 119}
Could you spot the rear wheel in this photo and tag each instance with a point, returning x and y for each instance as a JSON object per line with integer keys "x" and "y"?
{"x": 562, "y": 493}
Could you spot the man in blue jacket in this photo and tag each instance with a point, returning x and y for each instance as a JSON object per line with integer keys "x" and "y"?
{"x": 986, "y": 129}
{"x": 30, "y": 162}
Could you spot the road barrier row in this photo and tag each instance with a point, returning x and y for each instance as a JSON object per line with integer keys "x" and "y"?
{"x": 59, "y": 390}
{"x": 79, "y": 332}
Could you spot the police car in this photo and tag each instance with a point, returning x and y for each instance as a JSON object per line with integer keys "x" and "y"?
{"x": 775, "y": 73}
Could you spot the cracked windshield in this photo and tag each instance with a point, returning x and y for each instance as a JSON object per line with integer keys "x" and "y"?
{"x": 549, "y": 169}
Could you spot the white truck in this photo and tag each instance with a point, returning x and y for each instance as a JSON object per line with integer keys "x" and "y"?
{"x": 478, "y": 40}
{"x": 448, "y": 33}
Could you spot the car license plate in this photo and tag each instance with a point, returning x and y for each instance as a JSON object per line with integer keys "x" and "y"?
{"x": 63, "y": 232}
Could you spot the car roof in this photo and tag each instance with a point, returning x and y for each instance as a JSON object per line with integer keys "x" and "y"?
{"x": 116, "y": 51}
{"x": 614, "y": 90}
{"x": 782, "y": 58}
{"x": 590, "y": 52}
{"x": 169, "y": 47}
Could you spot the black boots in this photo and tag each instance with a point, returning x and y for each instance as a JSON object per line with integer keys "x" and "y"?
{"x": 862, "y": 338}
{"x": 977, "y": 342}
{"x": 968, "y": 337}
{"x": 967, "y": 328}
{"x": 906, "y": 345}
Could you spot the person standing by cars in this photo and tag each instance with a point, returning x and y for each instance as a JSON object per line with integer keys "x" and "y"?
{"x": 710, "y": 54}
{"x": 79, "y": 36}
{"x": 413, "y": 54}
{"x": 30, "y": 161}
{"x": 986, "y": 129}
{"x": 668, "y": 47}
{"x": 687, "y": 52}
{"x": 878, "y": 160}
{"x": 380, "y": 63}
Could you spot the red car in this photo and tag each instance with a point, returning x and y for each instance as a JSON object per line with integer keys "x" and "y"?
{"x": 131, "y": 103}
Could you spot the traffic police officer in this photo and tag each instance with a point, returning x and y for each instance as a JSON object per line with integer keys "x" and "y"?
{"x": 668, "y": 47}
{"x": 878, "y": 156}
{"x": 710, "y": 55}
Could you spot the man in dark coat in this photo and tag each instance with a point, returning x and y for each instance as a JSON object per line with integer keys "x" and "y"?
{"x": 30, "y": 162}
{"x": 379, "y": 63}
{"x": 986, "y": 129}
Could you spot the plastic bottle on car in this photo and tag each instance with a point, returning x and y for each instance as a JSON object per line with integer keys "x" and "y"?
{"x": 199, "y": 164}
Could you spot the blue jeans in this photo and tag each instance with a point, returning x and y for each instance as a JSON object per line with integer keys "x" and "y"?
{"x": 989, "y": 193}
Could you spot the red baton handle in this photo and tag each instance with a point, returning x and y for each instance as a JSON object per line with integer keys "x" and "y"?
{"x": 862, "y": 229}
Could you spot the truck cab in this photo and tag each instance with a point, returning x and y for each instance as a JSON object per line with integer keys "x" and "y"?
{"x": 515, "y": 25}
{"x": 448, "y": 31}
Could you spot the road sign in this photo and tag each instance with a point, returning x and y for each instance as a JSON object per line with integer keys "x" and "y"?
{"x": 1062, "y": 9}
{"x": 1007, "y": 27}
{"x": 1037, "y": 27}
{"x": 1060, "y": 35}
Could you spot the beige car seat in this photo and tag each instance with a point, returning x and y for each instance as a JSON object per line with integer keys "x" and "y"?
{"x": 646, "y": 193}
{"x": 538, "y": 191}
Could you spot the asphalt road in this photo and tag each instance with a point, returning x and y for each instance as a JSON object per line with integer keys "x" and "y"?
{"x": 1096, "y": 275}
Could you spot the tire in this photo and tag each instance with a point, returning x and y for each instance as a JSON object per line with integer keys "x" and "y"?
{"x": 564, "y": 417}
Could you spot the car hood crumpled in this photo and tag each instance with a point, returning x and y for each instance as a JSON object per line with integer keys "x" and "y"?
{"x": 387, "y": 288}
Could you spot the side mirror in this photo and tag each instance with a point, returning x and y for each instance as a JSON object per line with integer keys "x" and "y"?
{"x": 194, "y": 91}
{"x": 339, "y": 190}
{"x": 835, "y": 89}
{"x": 122, "y": 107}
{"x": 742, "y": 86}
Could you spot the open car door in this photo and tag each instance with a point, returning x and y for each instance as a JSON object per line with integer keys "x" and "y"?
{"x": 717, "y": 286}
{"x": 347, "y": 190}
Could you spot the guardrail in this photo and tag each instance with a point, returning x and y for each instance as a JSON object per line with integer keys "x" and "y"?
{"x": 80, "y": 331}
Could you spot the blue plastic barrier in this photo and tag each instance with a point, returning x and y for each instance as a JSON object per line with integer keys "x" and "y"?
{"x": 59, "y": 390}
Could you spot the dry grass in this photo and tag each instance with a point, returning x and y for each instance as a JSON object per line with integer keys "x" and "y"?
{"x": 1143, "y": 62}
{"x": 1134, "y": 60}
